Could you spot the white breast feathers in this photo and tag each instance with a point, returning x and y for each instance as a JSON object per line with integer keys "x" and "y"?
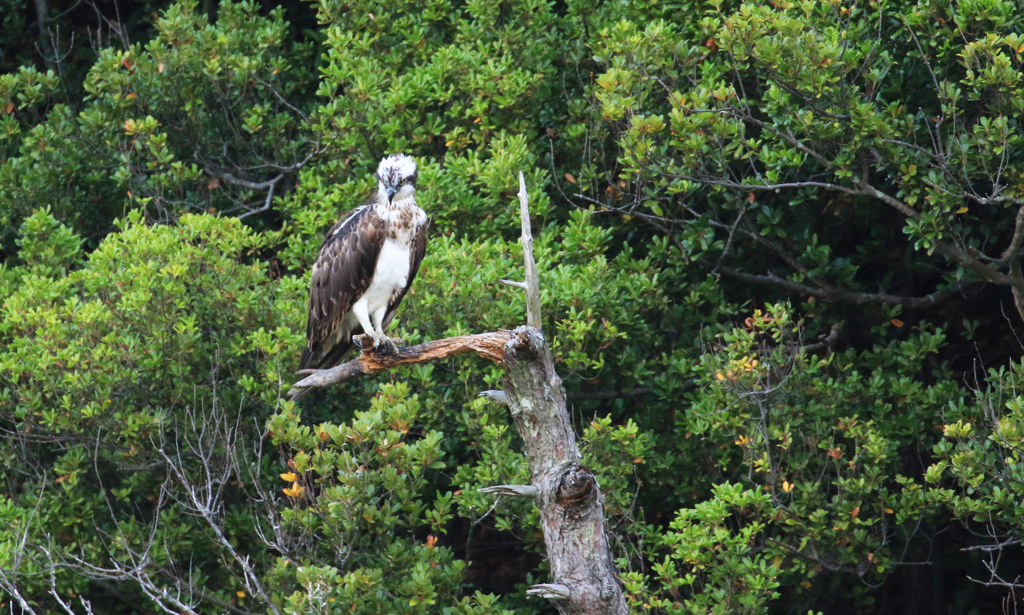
{"x": 403, "y": 218}
{"x": 391, "y": 274}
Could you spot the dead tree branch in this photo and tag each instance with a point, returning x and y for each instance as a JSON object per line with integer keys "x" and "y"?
{"x": 499, "y": 397}
{"x": 487, "y": 345}
{"x": 571, "y": 503}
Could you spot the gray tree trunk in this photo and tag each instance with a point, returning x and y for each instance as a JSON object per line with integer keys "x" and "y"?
{"x": 570, "y": 501}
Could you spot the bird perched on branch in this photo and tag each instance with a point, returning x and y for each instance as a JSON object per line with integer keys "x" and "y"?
{"x": 366, "y": 264}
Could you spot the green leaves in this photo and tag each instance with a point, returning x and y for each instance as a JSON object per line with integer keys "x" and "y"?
{"x": 361, "y": 484}
{"x": 167, "y": 124}
{"x": 821, "y": 437}
{"x": 720, "y": 569}
{"x": 48, "y": 247}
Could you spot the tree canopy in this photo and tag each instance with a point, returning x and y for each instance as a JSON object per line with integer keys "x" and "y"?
{"x": 780, "y": 256}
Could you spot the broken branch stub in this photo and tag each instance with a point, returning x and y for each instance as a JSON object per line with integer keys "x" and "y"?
{"x": 521, "y": 491}
{"x": 532, "y": 283}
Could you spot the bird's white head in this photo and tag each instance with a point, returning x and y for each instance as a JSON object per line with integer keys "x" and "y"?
{"x": 396, "y": 178}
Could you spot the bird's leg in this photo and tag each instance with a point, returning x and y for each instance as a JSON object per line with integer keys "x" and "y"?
{"x": 360, "y": 309}
{"x": 384, "y": 344}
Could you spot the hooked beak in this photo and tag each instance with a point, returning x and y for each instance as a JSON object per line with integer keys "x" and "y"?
{"x": 391, "y": 193}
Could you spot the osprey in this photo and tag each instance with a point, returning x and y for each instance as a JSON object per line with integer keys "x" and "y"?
{"x": 366, "y": 264}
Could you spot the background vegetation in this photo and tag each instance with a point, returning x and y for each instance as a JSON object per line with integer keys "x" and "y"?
{"x": 780, "y": 251}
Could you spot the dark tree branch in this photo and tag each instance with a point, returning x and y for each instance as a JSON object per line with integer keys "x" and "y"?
{"x": 728, "y": 242}
{"x": 43, "y": 13}
{"x": 856, "y": 298}
{"x": 810, "y": 554}
{"x": 599, "y": 395}
{"x": 1014, "y": 279}
{"x": 771, "y": 245}
{"x": 953, "y": 253}
{"x": 728, "y": 183}
{"x": 269, "y": 185}
{"x": 244, "y": 183}
{"x": 1013, "y": 250}
{"x": 825, "y": 341}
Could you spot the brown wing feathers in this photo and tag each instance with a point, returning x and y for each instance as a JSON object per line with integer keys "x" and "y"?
{"x": 341, "y": 274}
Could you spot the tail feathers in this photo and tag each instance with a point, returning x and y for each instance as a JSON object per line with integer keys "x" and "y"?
{"x": 308, "y": 359}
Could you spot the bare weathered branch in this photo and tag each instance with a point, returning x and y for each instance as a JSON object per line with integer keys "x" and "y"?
{"x": 571, "y": 503}
{"x": 569, "y": 499}
{"x": 495, "y": 397}
{"x": 369, "y": 362}
{"x": 11, "y": 587}
{"x": 204, "y": 500}
{"x": 266, "y": 204}
{"x": 521, "y": 285}
{"x": 499, "y": 397}
{"x": 551, "y": 591}
{"x": 244, "y": 183}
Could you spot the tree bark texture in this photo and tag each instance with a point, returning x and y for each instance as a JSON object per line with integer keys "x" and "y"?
{"x": 569, "y": 498}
